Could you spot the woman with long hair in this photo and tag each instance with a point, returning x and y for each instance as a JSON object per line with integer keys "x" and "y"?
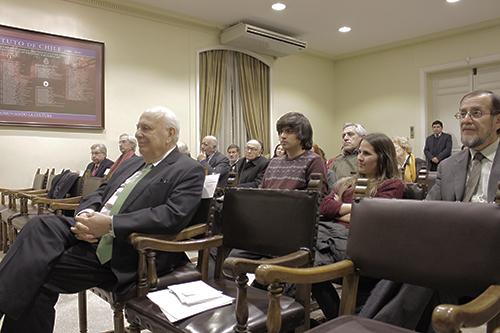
{"x": 377, "y": 162}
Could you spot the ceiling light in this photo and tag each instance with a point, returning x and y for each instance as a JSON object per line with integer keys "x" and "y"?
{"x": 344, "y": 29}
{"x": 278, "y": 6}
{"x": 452, "y": 1}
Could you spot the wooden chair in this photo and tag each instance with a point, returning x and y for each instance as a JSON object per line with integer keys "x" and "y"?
{"x": 11, "y": 205}
{"x": 277, "y": 224}
{"x": 40, "y": 204}
{"x": 448, "y": 246}
{"x": 148, "y": 278}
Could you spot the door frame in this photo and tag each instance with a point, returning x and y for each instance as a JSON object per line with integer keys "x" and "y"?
{"x": 425, "y": 72}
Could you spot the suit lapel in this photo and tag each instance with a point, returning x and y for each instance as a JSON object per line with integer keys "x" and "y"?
{"x": 151, "y": 178}
{"x": 494, "y": 176}
{"x": 460, "y": 177}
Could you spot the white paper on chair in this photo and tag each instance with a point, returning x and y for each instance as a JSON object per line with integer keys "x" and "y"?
{"x": 200, "y": 295}
{"x": 209, "y": 186}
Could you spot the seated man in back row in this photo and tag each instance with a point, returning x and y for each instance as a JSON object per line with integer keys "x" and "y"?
{"x": 100, "y": 163}
{"x": 156, "y": 194}
{"x": 251, "y": 168}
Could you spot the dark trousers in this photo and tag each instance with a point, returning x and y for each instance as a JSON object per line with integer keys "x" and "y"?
{"x": 44, "y": 261}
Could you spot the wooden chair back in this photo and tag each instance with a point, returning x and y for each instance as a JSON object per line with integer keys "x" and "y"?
{"x": 450, "y": 246}
{"x": 269, "y": 222}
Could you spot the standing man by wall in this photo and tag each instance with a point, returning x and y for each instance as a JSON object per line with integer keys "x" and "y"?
{"x": 437, "y": 146}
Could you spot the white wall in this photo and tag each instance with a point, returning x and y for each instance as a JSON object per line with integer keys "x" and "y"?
{"x": 383, "y": 90}
{"x": 147, "y": 63}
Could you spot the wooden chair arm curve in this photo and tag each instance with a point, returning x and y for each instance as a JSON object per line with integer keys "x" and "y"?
{"x": 150, "y": 243}
{"x": 233, "y": 267}
{"x": 450, "y": 318}
{"x": 267, "y": 274}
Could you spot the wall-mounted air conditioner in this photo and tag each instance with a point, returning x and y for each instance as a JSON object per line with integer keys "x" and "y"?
{"x": 261, "y": 40}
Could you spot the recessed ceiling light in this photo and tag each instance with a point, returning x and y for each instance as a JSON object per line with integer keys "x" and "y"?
{"x": 278, "y": 6}
{"x": 344, "y": 29}
{"x": 452, "y": 1}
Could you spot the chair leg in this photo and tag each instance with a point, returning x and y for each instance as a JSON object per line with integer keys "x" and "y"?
{"x": 82, "y": 311}
{"x": 118, "y": 319}
{"x": 134, "y": 328}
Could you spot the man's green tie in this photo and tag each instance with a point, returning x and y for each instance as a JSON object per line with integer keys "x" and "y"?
{"x": 105, "y": 246}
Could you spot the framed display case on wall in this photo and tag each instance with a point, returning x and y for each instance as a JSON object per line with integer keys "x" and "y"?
{"x": 50, "y": 81}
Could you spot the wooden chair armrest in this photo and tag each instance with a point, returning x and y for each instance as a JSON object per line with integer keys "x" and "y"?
{"x": 233, "y": 266}
{"x": 267, "y": 274}
{"x": 63, "y": 206}
{"x": 143, "y": 243}
{"x": 8, "y": 191}
{"x": 48, "y": 201}
{"x": 184, "y": 234}
{"x": 450, "y": 318}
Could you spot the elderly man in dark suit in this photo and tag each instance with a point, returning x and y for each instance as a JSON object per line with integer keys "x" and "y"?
{"x": 100, "y": 163}
{"x": 437, "y": 146}
{"x": 251, "y": 168}
{"x": 212, "y": 160}
{"x": 479, "y": 117}
{"x": 156, "y": 194}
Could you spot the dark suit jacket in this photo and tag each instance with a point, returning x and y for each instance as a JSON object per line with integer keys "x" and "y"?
{"x": 437, "y": 147}
{"x": 163, "y": 202}
{"x": 105, "y": 164}
{"x": 452, "y": 175}
{"x": 250, "y": 173}
{"x": 218, "y": 163}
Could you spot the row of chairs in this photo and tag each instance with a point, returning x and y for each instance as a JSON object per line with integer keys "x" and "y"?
{"x": 401, "y": 240}
{"x": 44, "y": 197}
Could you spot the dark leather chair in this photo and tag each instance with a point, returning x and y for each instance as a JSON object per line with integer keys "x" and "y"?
{"x": 281, "y": 225}
{"x": 148, "y": 279}
{"x": 448, "y": 246}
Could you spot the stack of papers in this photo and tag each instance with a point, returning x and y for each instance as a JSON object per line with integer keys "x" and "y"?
{"x": 184, "y": 300}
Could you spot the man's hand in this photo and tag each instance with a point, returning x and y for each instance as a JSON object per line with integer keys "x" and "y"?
{"x": 201, "y": 157}
{"x": 435, "y": 160}
{"x": 96, "y": 224}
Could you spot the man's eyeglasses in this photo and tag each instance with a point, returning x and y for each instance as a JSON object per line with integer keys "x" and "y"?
{"x": 251, "y": 148}
{"x": 474, "y": 114}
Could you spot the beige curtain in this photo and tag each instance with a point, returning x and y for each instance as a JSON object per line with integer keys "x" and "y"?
{"x": 254, "y": 97}
{"x": 212, "y": 84}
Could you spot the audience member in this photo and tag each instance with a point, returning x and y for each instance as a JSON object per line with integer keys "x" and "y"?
{"x": 465, "y": 176}
{"x": 233, "y": 155}
{"x": 344, "y": 164}
{"x": 278, "y": 151}
{"x": 156, "y": 194}
{"x": 376, "y": 161}
{"x": 127, "y": 144}
{"x": 437, "y": 146}
{"x": 408, "y": 164}
{"x": 100, "y": 163}
{"x": 183, "y": 148}
{"x": 293, "y": 170}
{"x": 251, "y": 168}
{"x": 317, "y": 149}
{"x": 213, "y": 161}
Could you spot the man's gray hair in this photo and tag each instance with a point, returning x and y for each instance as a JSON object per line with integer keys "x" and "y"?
{"x": 358, "y": 128}
{"x": 169, "y": 118}
{"x": 213, "y": 140}
{"x": 131, "y": 139}
{"x": 101, "y": 147}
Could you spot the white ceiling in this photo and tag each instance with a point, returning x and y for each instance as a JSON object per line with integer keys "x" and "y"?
{"x": 375, "y": 23}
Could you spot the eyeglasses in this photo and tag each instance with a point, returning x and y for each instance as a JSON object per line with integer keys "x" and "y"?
{"x": 251, "y": 148}
{"x": 474, "y": 114}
